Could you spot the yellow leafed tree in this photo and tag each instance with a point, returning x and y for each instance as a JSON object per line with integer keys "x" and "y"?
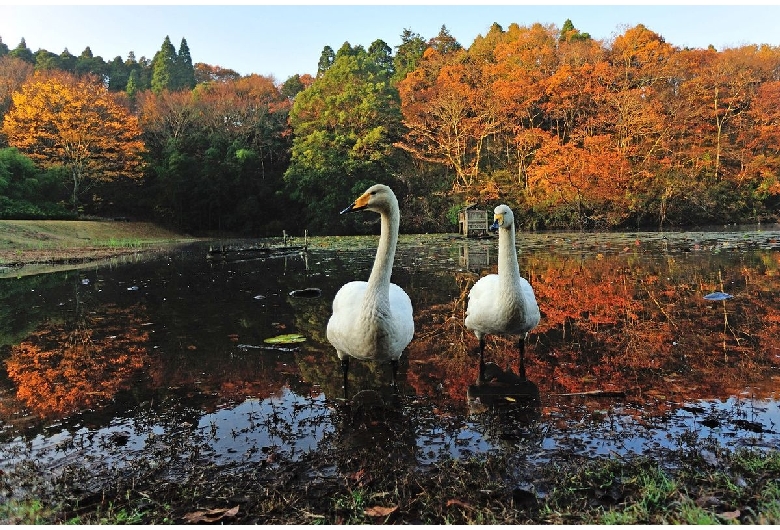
{"x": 76, "y": 123}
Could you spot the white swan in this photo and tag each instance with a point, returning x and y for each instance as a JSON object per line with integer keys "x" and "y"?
{"x": 503, "y": 303}
{"x": 373, "y": 320}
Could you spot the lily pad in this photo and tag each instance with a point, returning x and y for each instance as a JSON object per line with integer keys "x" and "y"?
{"x": 289, "y": 338}
{"x": 717, "y": 295}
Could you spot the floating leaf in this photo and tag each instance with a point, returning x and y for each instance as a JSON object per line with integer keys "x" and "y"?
{"x": 288, "y": 338}
{"x": 717, "y": 295}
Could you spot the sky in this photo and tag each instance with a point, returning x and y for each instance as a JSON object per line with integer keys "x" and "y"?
{"x": 283, "y": 40}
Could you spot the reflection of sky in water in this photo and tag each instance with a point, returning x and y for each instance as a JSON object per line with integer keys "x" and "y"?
{"x": 288, "y": 424}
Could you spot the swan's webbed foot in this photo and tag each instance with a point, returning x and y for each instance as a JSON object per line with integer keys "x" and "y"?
{"x": 345, "y": 370}
{"x": 394, "y": 366}
{"x": 521, "y": 348}
{"x": 481, "y": 359}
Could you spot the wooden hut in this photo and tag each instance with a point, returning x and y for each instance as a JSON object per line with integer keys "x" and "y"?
{"x": 473, "y": 222}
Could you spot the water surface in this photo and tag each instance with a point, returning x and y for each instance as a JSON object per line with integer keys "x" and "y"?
{"x": 107, "y": 363}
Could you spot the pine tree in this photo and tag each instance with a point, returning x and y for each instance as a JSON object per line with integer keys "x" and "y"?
{"x": 23, "y": 52}
{"x": 326, "y": 60}
{"x": 132, "y": 87}
{"x": 185, "y": 70}
{"x": 164, "y": 67}
{"x": 381, "y": 54}
{"x": 292, "y": 86}
{"x": 408, "y": 53}
{"x": 68, "y": 61}
{"x": 444, "y": 42}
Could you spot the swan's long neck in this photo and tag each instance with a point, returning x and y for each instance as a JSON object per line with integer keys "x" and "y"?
{"x": 508, "y": 268}
{"x": 379, "y": 281}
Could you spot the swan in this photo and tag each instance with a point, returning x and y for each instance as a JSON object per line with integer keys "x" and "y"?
{"x": 503, "y": 303}
{"x": 373, "y": 320}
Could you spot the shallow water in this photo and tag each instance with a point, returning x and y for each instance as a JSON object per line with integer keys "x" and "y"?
{"x": 103, "y": 364}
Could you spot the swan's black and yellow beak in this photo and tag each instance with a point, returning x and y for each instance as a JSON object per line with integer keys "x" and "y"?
{"x": 359, "y": 204}
{"x": 498, "y": 220}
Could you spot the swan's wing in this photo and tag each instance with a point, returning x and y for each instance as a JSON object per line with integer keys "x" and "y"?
{"x": 403, "y": 318}
{"x": 532, "y": 315}
{"x": 346, "y": 308}
{"x": 349, "y": 294}
{"x": 483, "y": 294}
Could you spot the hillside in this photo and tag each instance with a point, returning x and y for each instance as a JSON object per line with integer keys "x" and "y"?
{"x": 28, "y": 247}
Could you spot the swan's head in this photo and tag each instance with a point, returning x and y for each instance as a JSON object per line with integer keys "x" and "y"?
{"x": 378, "y": 198}
{"x": 502, "y": 218}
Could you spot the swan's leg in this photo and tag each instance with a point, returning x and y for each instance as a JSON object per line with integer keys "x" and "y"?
{"x": 394, "y": 365}
{"x": 345, "y": 369}
{"x": 481, "y": 358}
{"x": 521, "y": 347}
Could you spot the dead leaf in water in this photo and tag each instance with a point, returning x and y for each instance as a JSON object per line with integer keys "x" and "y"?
{"x": 210, "y": 516}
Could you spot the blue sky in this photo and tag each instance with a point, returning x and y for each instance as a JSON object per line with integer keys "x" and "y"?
{"x": 280, "y": 41}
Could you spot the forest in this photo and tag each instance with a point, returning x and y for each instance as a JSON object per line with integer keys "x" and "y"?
{"x": 570, "y": 131}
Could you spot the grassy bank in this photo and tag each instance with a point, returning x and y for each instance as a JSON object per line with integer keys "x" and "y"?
{"x": 35, "y": 245}
{"x": 720, "y": 487}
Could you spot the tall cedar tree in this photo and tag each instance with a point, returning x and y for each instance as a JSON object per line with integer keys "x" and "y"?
{"x": 164, "y": 68}
{"x": 185, "y": 72}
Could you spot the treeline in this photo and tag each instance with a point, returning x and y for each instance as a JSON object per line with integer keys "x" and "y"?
{"x": 571, "y": 131}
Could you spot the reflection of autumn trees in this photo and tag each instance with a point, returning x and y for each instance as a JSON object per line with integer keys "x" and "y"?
{"x": 614, "y": 318}
{"x": 623, "y": 321}
{"x": 64, "y": 368}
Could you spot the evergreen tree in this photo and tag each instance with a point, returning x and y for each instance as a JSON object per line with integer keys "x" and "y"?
{"x": 45, "y": 60}
{"x": 3, "y": 48}
{"x": 164, "y": 68}
{"x": 87, "y": 63}
{"x": 444, "y": 42}
{"x": 347, "y": 49}
{"x": 570, "y": 33}
{"x": 68, "y": 61}
{"x": 184, "y": 69}
{"x": 326, "y": 60}
{"x": 408, "y": 54}
{"x": 118, "y": 74}
{"x": 23, "y": 52}
{"x": 381, "y": 55}
{"x": 292, "y": 86}
{"x": 345, "y": 126}
{"x": 132, "y": 87}
{"x": 144, "y": 69}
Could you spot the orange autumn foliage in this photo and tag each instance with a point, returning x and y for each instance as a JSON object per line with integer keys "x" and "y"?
{"x": 76, "y": 123}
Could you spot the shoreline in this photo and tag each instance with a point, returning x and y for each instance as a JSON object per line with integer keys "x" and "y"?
{"x": 18, "y": 263}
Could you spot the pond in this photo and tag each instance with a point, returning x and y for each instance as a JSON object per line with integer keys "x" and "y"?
{"x": 171, "y": 353}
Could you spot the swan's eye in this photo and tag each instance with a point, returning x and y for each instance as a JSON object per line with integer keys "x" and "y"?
{"x": 373, "y": 193}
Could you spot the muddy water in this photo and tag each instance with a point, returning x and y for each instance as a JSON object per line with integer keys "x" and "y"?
{"x": 633, "y": 353}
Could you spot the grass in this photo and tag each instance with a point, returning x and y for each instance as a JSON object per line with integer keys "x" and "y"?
{"x": 742, "y": 486}
{"x": 32, "y": 247}
{"x": 24, "y": 512}
{"x": 47, "y": 235}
